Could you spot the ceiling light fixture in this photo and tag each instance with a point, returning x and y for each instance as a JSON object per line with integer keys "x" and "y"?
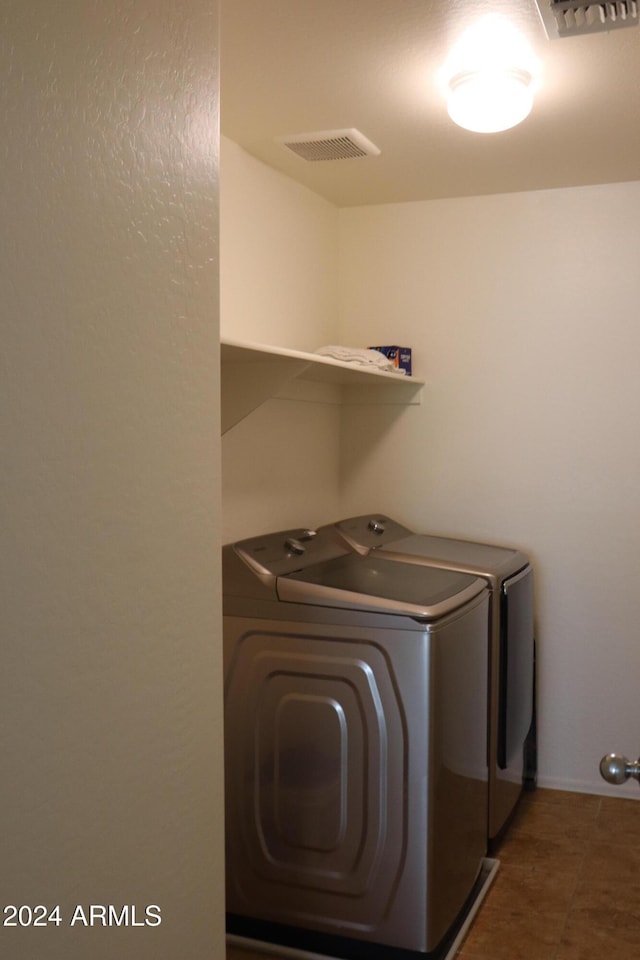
{"x": 490, "y": 77}
{"x": 491, "y": 99}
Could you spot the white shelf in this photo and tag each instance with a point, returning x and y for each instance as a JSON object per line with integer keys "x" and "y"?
{"x": 253, "y": 373}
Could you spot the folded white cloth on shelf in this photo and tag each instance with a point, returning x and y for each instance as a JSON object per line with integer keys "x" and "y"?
{"x": 359, "y": 356}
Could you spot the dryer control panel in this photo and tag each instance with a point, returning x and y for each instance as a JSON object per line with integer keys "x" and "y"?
{"x": 369, "y": 531}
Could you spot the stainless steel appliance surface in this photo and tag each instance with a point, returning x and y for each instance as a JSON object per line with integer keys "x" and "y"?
{"x": 355, "y": 746}
{"x": 509, "y": 576}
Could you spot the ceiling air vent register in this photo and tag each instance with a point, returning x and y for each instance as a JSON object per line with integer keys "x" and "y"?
{"x": 569, "y": 18}
{"x": 330, "y": 145}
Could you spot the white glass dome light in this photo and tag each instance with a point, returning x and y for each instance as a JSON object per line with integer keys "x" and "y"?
{"x": 490, "y": 77}
{"x": 490, "y": 100}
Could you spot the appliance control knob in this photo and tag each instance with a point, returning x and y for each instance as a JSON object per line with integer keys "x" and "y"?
{"x": 376, "y": 526}
{"x": 308, "y": 534}
{"x": 294, "y": 545}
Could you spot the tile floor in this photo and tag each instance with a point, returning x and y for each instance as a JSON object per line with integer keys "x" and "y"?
{"x": 568, "y": 887}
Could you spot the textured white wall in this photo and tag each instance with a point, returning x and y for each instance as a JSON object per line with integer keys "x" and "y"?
{"x": 522, "y": 311}
{"x": 278, "y": 286}
{"x": 110, "y": 702}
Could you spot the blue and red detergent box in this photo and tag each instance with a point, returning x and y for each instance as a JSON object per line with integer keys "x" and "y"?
{"x": 401, "y": 357}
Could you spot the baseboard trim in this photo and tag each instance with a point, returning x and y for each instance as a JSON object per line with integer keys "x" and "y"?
{"x": 628, "y": 791}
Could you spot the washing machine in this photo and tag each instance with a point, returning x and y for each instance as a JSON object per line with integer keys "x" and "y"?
{"x": 511, "y": 669}
{"x": 355, "y": 747}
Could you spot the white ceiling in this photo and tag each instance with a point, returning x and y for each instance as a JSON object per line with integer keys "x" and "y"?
{"x": 297, "y": 66}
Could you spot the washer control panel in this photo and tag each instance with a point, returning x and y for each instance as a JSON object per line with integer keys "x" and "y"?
{"x": 288, "y": 550}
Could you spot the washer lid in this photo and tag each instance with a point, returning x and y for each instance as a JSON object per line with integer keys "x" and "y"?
{"x": 376, "y": 583}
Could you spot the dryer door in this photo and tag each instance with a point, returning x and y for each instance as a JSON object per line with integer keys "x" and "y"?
{"x": 516, "y": 671}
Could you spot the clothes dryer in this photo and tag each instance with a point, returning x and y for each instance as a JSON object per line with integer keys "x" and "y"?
{"x": 508, "y": 573}
{"x": 355, "y": 746}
